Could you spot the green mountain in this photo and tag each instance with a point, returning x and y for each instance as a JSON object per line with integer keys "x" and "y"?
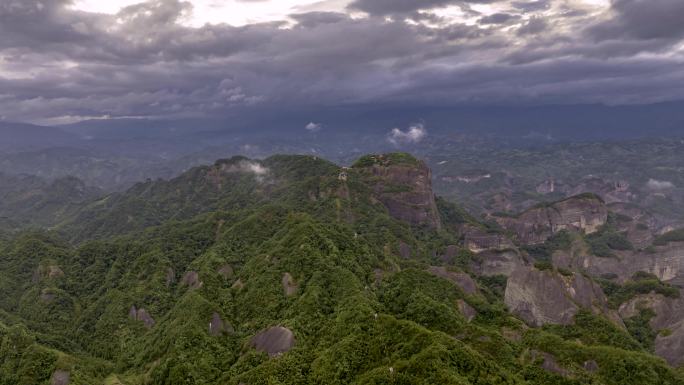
{"x": 293, "y": 270}
{"x": 27, "y": 200}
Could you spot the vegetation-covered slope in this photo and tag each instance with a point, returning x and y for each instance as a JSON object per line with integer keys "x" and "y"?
{"x": 287, "y": 271}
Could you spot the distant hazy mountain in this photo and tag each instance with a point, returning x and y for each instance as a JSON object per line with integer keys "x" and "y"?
{"x": 19, "y": 136}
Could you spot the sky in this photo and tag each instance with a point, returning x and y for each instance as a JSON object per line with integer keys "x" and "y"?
{"x": 63, "y": 61}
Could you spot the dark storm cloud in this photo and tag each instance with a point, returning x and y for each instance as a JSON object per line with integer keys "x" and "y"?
{"x": 57, "y": 63}
{"x": 533, "y": 26}
{"x": 498, "y": 18}
{"x": 644, "y": 19}
{"x": 532, "y": 6}
{"x": 387, "y": 7}
{"x": 312, "y": 19}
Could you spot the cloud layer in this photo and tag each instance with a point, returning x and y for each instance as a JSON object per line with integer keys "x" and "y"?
{"x": 59, "y": 64}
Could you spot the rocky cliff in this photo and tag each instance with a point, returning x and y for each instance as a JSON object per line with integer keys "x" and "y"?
{"x": 404, "y": 185}
{"x": 668, "y": 322}
{"x": 585, "y": 213}
{"x": 546, "y": 297}
{"x": 665, "y": 262}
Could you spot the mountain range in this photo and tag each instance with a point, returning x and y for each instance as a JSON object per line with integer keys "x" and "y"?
{"x": 295, "y": 270}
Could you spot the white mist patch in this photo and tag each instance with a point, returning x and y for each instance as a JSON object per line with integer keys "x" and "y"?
{"x": 249, "y": 167}
{"x": 412, "y": 135}
{"x": 659, "y": 185}
{"x": 254, "y": 168}
{"x": 313, "y": 127}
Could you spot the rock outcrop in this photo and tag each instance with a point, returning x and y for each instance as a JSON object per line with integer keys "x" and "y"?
{"x": 670, "y": 346}
{"x": 546, "y": 297}
{"x": 191, "y": 280}
{"x": 449, "y": 254}
{"x": 611, "y": 190}
{"x": 549, "y": 363}
{"x": 493, "y": 262}
{"x": 468, "y": 311}
{"x": 274, "y": 341}
{"x": 170, "y": 277}
{"x": 547, "y": 187}
{"x": 218, "y": 326}
{"x": 141, "y": 315}
{"x": 462, "y": 280}
{"x": 404, "y": 250}
{"x": 238, "y": 285}
{"x": 404, "y": 185}
{"x": 668, "y": 322}
{"x": 289, "y": 285}
{"x": 226, "y": 271}
{"x": 581, "y": 213}
{"x": 477, "y": 240}
{"x": 60, "y": 377}
{"x": 47, "y": 296}
{"x": 47, "y": 272}
{"x": 665, "y": 262}
{"x": 639, "y": 226}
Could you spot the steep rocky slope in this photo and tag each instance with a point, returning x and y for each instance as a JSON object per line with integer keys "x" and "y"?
{"x": 584, "y": 213}
{"x": 665, "y": 262}
{"x": 544, "y": 296}
{"x": 404, "y": 186}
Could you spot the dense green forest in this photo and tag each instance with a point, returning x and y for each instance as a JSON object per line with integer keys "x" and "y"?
{"x": 181, "y": 282}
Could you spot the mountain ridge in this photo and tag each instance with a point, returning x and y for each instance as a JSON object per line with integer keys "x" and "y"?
{"x": 294, "y": 270}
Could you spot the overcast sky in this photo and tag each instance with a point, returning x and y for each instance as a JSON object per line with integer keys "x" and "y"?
{"x": 62, "y": 61}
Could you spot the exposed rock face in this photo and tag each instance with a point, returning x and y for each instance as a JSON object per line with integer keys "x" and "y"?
{"x": 501, "y": 201}
{"x": 671, "y": 346}
{"x": 141, "y": 315}
{"x": 642, "y": 227}
{"x": 669, "y": 316}
{"x": 170, "y": 277}
{"x": 54, "y": 272}
{"x": 449, "y": 254}
{"x": 462, "y": 280}
{"x": 218, "y": 327}
{"x": 478, "y": 240}
{"x": 669, "y": 311}
{"x": 47, "y": 272}
{"x": 511, "y": 334}
{"x": 404, "y": 250}
{"x": 494, "y": 262}
{"x": 226, "y": 271}
{"x": 611, "y": 190}
{"x": 406, "y": 191}
{"x": 60, "y": 377}
{"x": 468, "y": 311}
{"x": 666, "y": 262}
{"x": 547, "y": 187}
{"x": 238, "y": 285}
{"x": 549, "y": 363}
{"x": 583, "y": 213}
{"x": 191, "y": 280}
{"x": 545, "y": 297}
{"x": 47, "y": 296}
{"x": 274, "y": 341}
{"x": 590, "y": 366}
{"x": 289, "y": 285}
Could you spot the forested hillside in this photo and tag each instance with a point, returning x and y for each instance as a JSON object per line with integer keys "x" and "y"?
{"x": 293, "y": 270}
